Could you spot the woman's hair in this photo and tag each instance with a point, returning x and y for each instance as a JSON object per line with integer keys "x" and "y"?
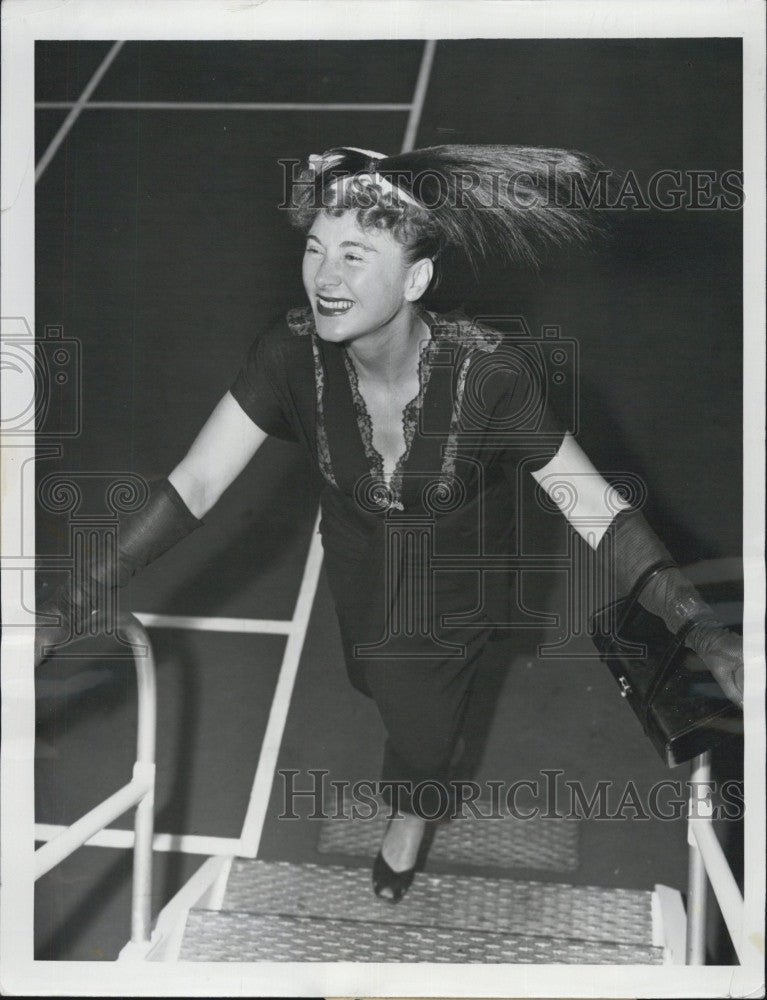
{"x": 515, "y": 202}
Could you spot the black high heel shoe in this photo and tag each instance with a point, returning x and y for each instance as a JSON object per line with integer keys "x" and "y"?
{"x": 385, "y": 878}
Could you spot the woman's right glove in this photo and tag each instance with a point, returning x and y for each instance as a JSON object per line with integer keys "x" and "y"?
{"x": 143, "y": 536}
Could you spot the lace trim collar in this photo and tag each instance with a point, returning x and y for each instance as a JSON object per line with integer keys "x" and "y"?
{"x": 456, "y": 328}
{"x": 391, "y": 491}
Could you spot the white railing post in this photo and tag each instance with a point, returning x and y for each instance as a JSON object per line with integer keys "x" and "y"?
{"x": 138, "y": 792}
{"x": 708, "y": 864}
{"x": 141, "y": 900}
{"x": 697, "y": 881}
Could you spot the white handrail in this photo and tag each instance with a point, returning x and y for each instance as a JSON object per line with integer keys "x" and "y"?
{"x": 138, "y": 792}
{"x": 721, "y": 878}
{"x": 50, "y": 854}
{"x": 708, "y": 862}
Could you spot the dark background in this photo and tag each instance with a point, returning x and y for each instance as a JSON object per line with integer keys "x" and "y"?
{"x": 159, "y": 247}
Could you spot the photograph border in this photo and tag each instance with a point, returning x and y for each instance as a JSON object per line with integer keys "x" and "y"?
{"x": 24, "y": 22}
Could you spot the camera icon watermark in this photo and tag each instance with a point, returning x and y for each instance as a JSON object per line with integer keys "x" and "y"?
{"x": 47, "y": 371}
{"x": 509, "y": 386}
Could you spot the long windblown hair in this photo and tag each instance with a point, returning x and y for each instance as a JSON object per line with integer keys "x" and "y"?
{"x": 486, "y": 202}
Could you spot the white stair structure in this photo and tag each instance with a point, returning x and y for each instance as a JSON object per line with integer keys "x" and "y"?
{"x": 248, "y": 909}
{"x": 238, "y": 908}
{"x": 281, "y": 911}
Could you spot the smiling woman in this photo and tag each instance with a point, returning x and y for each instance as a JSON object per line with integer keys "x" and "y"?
{"x": 421, "y": 426}
{"x": 359, "y": 282}
{"x": 362, "y": 291}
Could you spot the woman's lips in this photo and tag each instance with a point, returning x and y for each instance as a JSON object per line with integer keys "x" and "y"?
{"x": 333, "y": 307}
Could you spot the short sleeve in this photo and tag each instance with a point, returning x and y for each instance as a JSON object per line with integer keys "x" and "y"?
{"x": 528, "y": 422}
{"x": 261, "y": 387}
{"x": 524, "y": 407}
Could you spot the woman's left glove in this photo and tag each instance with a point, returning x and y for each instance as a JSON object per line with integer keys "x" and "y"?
{"x": 722, "y": 652}
{"x": 670, "y": 595}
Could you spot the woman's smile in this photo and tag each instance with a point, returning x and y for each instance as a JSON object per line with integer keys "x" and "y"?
{"x": 327, "y": 306}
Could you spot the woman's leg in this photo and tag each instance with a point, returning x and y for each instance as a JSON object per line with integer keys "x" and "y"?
{"x": 422, "y": 703}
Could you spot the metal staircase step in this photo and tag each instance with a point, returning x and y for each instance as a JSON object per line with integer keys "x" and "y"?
{"x": 246, "y": 937}
{"x": 469, "y": 903}
{"x": 286, "y": 912}
{"x": 501, "y": 842}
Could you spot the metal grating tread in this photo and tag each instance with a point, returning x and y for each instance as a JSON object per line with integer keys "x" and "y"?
{"x": 469, "y": 903}
{"x": 245, "y": 937}
{"x": 502, "y": 842}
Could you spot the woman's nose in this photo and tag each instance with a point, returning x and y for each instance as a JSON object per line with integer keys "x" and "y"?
{"x": 327, "y": 274}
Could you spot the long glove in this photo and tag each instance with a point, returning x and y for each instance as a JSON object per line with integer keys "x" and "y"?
{"x": 143, "y": 536}
{"x": 671, "y": 596}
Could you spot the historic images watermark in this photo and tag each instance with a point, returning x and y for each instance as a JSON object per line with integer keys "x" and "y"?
{"x": 667, "y": 190}
{"x": 546, "y": 796}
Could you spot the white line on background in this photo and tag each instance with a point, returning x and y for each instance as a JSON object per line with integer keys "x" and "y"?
{"x": 198, "y": 623}
{"x": 217, "y": 106}
{"x": 73, "y": 115}
{"x": 255, "y": 816}
{"x": 419, "y": 96}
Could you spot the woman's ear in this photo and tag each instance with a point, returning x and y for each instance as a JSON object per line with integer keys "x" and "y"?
{"x": 419, "y": 279}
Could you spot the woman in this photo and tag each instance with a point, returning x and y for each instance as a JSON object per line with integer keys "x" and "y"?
{"x": 420, "y": 426}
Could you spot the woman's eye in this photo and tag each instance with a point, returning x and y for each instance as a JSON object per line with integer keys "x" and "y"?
{"x": 353, "y": 257}
{"x": 311, "y": 249}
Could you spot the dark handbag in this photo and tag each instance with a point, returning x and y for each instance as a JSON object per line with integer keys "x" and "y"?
{"x": 681, "y": 706}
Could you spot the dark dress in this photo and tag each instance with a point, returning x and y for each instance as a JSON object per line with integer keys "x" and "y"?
{"x": 409, "y": 564}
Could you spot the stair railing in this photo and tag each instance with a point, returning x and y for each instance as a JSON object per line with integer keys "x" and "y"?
{"x": 707, "y": 863}
{"x": 706, "y": 859}
{"x": 138, "y": 792}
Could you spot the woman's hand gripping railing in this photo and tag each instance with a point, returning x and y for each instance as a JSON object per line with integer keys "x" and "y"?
{"x": 138, "y": 792}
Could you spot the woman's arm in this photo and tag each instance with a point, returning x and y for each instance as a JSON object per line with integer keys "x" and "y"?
{"x": 595, "y": 508}
{"x": 589, "y": 503}
{"x": 221, "y": 450}
{"x": 219, "y": 453}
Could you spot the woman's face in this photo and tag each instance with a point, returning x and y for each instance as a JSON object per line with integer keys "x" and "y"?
{"x": 357, "y": 280}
